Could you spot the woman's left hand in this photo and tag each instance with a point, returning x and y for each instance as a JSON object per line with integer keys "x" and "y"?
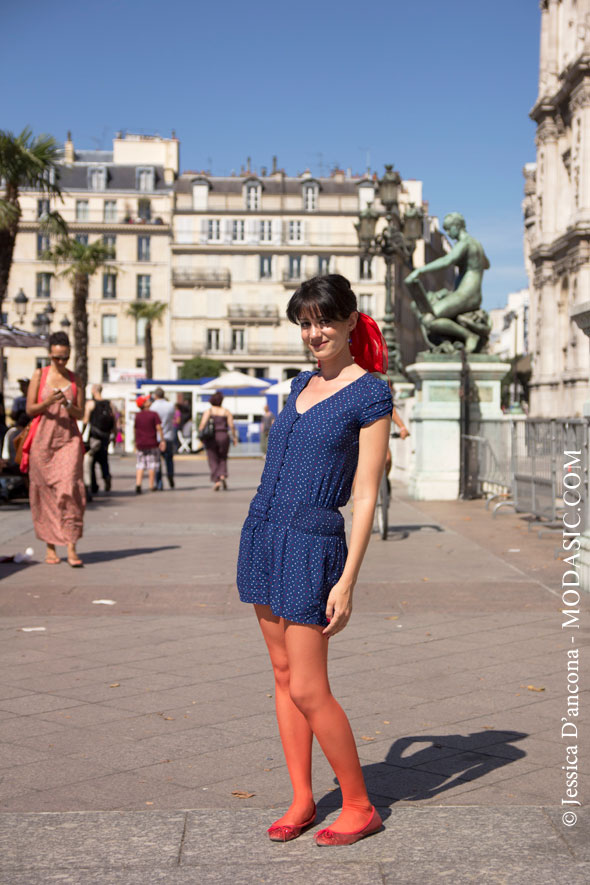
{"x": 338, "y": 608}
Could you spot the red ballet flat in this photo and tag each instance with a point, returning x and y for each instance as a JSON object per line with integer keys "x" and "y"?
{"x": 329, "y": 837}
{"x": 287, "y": 832}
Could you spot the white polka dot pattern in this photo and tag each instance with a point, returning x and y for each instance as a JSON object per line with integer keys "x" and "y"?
{"x": 293, "y": 545}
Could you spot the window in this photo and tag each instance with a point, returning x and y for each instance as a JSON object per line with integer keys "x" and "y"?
{"x": 366, "y": 304}
{"x": 310, "y": 197}
{"x": 43, "y": 285}
{"x": 97, "y": 178}
{"x": 42, "y": 244}
{"x": 366, "y": 196}
{"x": 295, "y": 232}
{"x": 140, "y": 332}
{"x": 140, "y": 362}
{"x": 323, "y": 264}
{"x": 42, "y": 361}
{"x": 143, "y": 248}
{"x": 145, "y": 178}
{"x": 214, "y": 230}
{"x": 82, "y": 238}
{"x": 144, "y": 285}
{"x": 238, "y": 231}
{"x": 82, "y": 211}
{"x": 42, "y": 208}
{"x": 200, "y": 195}
{"x": 213, "y": 339}
{"x": 252, "y": 197}
{"x": 110, "y": 242}
{"x": 109, "y": 328}
{"x": 110, "y": 210}
{"x": 266, "y": 267}
{"x": 109, "y": 288}
{"x": 365, "y": 269}
{"x": 266, "y": 231}
{"x": 144, "y": 210}
{"x": 294, "y": 267}
{"x": 107, "y": 363}
{"x": 238, "y": 340}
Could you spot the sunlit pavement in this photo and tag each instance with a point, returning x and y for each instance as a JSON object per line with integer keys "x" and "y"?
{"x": 137, "y": 733}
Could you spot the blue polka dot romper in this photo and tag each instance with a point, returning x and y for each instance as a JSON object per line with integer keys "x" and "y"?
{"x": 293, "y": 545}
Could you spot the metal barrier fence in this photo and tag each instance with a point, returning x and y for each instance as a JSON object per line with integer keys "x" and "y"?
{"x": 522, "y": 461}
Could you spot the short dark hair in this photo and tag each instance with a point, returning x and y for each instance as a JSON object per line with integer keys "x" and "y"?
{"x": 328, "y": 296}
{"x": 59, "y": 339}
{"x": 216, "y": 399}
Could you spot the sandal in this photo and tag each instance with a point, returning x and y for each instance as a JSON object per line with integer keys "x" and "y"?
{"x": 51, "y": 561}
{"x": 75, "y": 563}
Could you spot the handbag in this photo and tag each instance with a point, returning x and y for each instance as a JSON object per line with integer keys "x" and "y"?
{"x": 208, "y": 431}
{"x": 18, "y": 443}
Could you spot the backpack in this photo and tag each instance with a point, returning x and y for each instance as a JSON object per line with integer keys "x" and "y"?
{"x": 101, "y": 419}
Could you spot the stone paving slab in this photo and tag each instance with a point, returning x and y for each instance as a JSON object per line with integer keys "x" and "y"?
{"x": 503, "y": 845}
{"x": 132, "y": 713}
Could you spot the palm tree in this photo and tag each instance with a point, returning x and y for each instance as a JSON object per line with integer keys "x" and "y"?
{"x": 82, "y": 262}
{"x": 151, "y": 312}
{"x": 25, "y": 161}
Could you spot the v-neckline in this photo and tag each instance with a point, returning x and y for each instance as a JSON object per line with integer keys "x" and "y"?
{"x": 332, "y": 395}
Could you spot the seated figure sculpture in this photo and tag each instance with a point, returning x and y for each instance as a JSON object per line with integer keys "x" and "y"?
{"x": 452, "y": 319}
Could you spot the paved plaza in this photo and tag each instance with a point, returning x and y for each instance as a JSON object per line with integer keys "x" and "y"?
{"x": 138, "y": 741}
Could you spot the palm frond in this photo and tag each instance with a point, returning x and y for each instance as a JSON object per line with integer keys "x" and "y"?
{"x": 30, "y": 161}
{"x": 9, "y": 213}
{"x": 152, "y": 311}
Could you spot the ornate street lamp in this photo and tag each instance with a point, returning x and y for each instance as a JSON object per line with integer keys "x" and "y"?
{"x": 65, "y": 324}
{"x": 20, "y": 304}
{"x": 395, "y": 243}
{"x": 41, "y": 324}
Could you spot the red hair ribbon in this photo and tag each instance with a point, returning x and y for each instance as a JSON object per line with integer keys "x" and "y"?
{"x": 368, "y": 345}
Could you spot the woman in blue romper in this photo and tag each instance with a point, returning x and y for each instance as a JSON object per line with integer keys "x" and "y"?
{"x": 294, "y": 565}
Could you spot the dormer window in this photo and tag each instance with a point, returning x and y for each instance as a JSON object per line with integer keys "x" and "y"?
{"x": 366, "y": 194}
{"x": 310, "y": 197}
{"x": 145, "y": 178}
{"x": 200, "y": 194}
{"x": 97, "y": 178}
{"x": 252, "y": 195}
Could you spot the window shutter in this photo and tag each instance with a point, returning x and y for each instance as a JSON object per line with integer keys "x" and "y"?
{"x": 228, "y": 227}
{"x": 303, "y": 238}
{"x": 204, "y": 230}
{"x": 277, "y": 231}
{"x": 252, "y": 231}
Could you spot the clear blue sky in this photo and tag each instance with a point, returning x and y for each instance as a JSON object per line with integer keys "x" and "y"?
{"x": 442, "y": 90}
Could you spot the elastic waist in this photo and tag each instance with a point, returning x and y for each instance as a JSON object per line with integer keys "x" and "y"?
{"x": 302, "y": 517}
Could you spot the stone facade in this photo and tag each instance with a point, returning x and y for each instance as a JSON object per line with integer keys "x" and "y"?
{"x": 557, "y": 211}
{"x": 127, "y": 195}
{"x": 241, "y": 246}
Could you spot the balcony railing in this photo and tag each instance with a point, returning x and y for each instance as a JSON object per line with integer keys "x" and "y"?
{"x": 93, "y": 217}
{"x": 201, "y": 279}
{"x": 253, "y": 313}
{"x": 292, "y": 279}
{"x": 251, "y": 351}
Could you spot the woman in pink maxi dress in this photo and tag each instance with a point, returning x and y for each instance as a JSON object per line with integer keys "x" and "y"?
{"x": 56, "y": 485}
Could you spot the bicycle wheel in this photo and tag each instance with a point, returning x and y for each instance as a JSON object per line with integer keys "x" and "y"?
{"x": 383, "y": 508}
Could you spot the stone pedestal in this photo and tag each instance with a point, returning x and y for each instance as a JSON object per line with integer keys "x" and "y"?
{"x": 435, "y": 470}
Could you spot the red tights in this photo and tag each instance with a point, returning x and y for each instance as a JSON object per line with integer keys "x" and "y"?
{"x": 305, "y": 706}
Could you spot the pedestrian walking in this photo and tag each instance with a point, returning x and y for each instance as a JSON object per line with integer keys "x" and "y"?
{"x": 53, "y": 453}
{"x": 166, "y": 411}
{"x": 217, "y": 441}
{"x": 268, "y": 419}
{"x": 149, "y": 442}
{"x": 294, "y": 565}
{"x": 100, "y": 417}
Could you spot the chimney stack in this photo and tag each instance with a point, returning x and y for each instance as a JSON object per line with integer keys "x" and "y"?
{"x": 69, "y": 155}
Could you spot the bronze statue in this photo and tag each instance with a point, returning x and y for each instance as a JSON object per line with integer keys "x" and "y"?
{"x": 453, "y": 319}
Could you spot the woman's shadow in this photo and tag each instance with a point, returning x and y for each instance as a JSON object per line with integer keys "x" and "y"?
{"x": 441, "y": 763}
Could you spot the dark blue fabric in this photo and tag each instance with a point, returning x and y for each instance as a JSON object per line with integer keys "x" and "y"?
{"x": 293, "y": 545}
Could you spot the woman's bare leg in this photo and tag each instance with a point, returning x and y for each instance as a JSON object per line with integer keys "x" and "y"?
{"x": 296, "y": 735}
{"x": 307, "y": 655}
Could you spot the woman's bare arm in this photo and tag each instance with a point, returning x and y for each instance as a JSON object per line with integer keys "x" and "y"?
{"x": 232, "y": 426}
{"x": 76, "y": 407}
{"x": 33, "y": 407}
{"x": 373, "y": 446}
{"x": 204, "y": 419}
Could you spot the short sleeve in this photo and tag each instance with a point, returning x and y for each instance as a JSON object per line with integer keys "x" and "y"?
{"x": 298, "y": 382}
{"x": 378, "y": 404}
